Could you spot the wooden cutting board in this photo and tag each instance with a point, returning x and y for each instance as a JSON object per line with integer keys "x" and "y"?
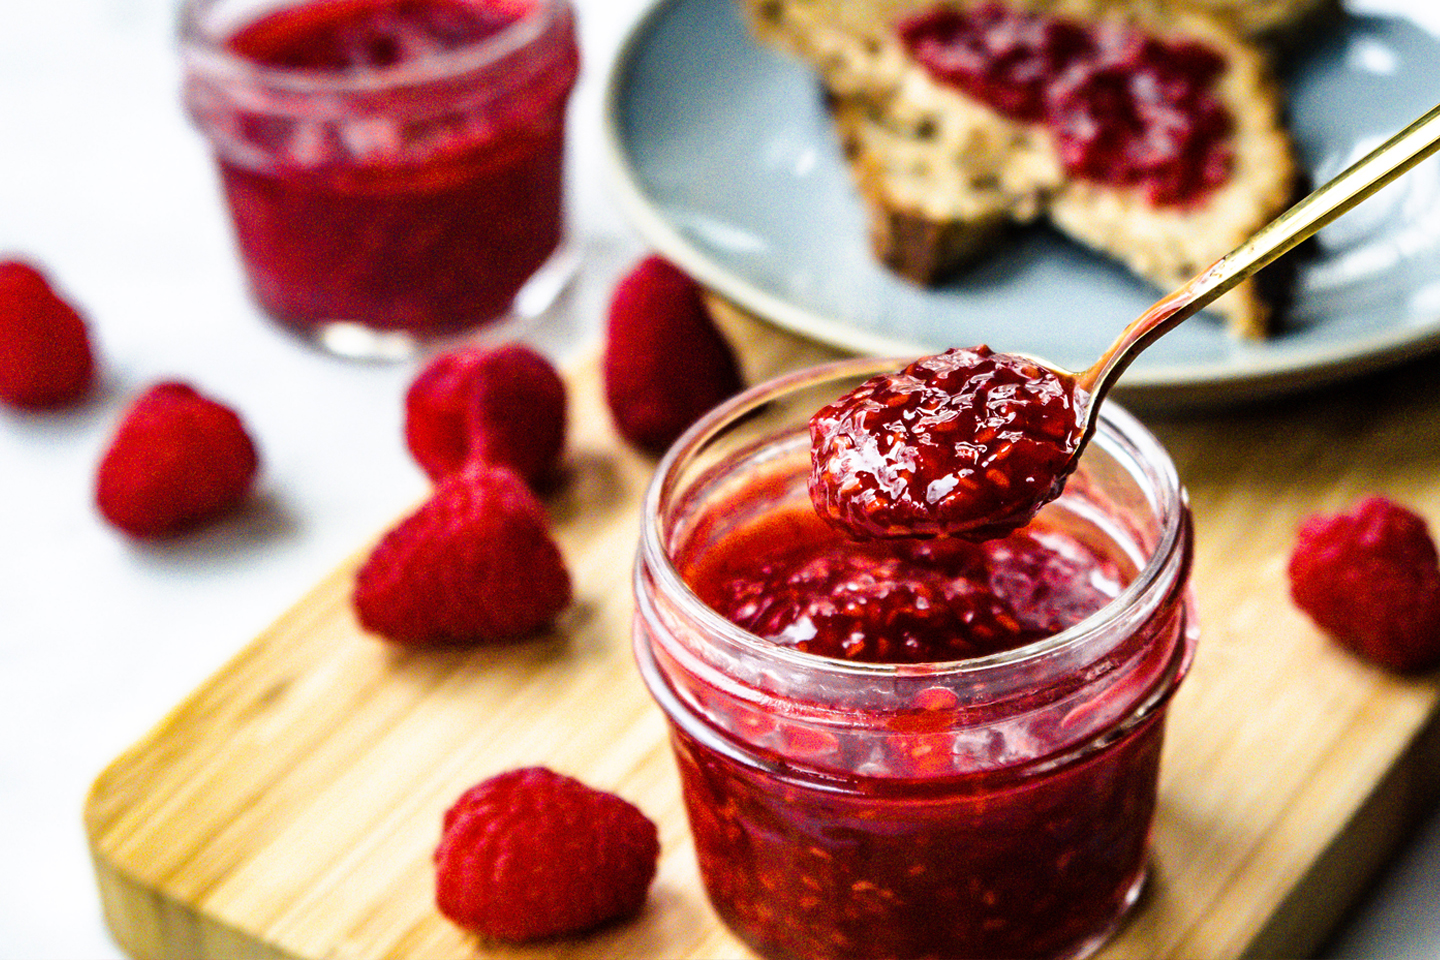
{"x": 289, "y": 806}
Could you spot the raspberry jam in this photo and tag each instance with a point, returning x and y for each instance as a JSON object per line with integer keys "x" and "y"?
{"x": 1124, "y": 108}
{"x": 966, "y": 443}
{"x": 986, "y": 790}
{"x": 796, "y": 581}
{"x": 391, "y": 166}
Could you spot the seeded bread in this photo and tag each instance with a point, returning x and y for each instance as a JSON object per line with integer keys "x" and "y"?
{"x": 942, "y": 174}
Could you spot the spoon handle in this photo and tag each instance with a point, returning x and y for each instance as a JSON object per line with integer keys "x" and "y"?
{"x": 1356, "y": 183}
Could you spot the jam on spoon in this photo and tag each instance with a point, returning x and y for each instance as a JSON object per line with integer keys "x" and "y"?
{"x": 967, "y": 443}
{"x": 972, "y": 443}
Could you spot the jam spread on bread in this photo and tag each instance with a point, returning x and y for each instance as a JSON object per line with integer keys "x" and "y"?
{"x": 1124, "y": 108}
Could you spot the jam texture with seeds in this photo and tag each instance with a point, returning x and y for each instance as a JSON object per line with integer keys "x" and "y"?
{"x": 833, "y": 820}
{"x": 798, "y": 582}
{"x": 876, "y": 867}
{"x": 1124, "y": 108}
{"x": 967, "y": 443}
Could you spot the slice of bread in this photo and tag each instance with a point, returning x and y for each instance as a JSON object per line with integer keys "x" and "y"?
{"x": 942, "y": 173}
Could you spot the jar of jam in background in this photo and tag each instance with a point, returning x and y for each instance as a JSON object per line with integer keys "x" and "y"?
{"x": 993, "y": 806}
{"x": 393, "y": 168}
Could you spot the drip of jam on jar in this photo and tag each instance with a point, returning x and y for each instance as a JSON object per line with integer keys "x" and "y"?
{"x": 1124, "y": 108}
{"x": 337, "y": 36}
{"x": 796, "y": 581}
{"x": 968, "y": 443}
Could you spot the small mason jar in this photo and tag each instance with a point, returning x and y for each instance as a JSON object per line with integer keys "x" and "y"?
{"x": 393, "y": 174}
{"x": 992, "y": 807}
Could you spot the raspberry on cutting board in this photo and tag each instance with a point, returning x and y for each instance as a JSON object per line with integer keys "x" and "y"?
{"x": 46, "y": 359}
{"x": 475, "y": 563}
{"x": 1369, "y": 577}
{"x": 531, "y": 854}
{"x": 177, "y": 460}
{"x": 502, "y": 405}
{"x": 665, "y": 362}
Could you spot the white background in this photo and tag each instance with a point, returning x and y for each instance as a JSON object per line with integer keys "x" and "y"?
{"x": 104, "y": 183}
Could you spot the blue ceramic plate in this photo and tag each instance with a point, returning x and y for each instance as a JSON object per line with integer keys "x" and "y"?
{"x": 723, "y": 158}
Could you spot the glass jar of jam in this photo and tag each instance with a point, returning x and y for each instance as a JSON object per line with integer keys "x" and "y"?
{"x": 849, "y": 797}
{"x": 393, "y": 168}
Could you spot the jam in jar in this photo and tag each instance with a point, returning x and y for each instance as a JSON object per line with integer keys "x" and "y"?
{"x": 900, "y": 748}
{"x": 392, "y": 167}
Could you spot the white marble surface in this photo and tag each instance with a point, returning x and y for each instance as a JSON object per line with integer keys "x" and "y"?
{"x": 103, "y": 181}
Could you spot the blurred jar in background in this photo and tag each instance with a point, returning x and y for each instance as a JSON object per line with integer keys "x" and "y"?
{"x": 393, "y": 168}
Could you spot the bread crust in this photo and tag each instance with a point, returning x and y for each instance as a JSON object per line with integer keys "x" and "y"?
{"x": 942, "y": 174}
{"x": 1277, "y": 23}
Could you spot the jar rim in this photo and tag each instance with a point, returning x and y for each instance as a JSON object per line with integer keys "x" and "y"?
{"x": 204, "y": 53}
{"x": 1117, "y": 430}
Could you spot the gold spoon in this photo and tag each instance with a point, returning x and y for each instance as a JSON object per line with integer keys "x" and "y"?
{"x": 1356, "y": 183}
{"x": 867, "y": 483}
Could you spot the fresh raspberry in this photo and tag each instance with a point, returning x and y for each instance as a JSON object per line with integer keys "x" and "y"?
{"x": 665, "y": 361}
{"x": 45, "y": 355}
{"x": 1370, "y": 578}
{"x": 531, "y": 854}
{"x": 504, "y": 406}
{"x": 476, "y": 562}
{"x": 177, "y": 460}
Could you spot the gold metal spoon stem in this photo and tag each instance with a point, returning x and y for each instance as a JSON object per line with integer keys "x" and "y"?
{"x": 1359, "y": 181}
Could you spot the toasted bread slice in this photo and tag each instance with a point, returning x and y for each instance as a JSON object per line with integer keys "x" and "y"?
{"x": 941, "y": 173}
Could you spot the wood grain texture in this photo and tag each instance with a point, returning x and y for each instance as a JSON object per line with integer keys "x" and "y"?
{"x": 289, "y": 806}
